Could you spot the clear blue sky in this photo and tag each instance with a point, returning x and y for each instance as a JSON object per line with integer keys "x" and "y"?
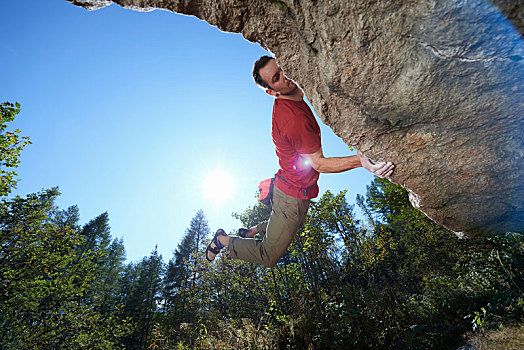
{"x": 129, "y": 112}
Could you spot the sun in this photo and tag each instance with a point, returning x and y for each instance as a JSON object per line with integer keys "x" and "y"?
{"x": 218, "y": 186}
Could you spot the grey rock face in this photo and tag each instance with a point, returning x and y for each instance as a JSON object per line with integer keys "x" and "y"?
{"x": 437, "y": 87}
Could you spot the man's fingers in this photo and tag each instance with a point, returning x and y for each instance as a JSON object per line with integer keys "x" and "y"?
{"x": 388, "y": 174}
{"x": 380, "y": 169}
{"x": 382, "y": 166}
{"x": 384, "y": 169}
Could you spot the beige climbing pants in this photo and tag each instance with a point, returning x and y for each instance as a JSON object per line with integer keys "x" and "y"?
{"x": 287, "y": 217}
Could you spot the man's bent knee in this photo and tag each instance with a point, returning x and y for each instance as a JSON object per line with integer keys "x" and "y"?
{"x": 272, "y": 258}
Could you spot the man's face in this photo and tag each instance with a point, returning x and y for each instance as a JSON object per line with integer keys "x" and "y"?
{"x": 273, "y": 75}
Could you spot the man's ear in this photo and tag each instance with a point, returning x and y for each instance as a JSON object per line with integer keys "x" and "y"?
{"x": 271, "y": 92}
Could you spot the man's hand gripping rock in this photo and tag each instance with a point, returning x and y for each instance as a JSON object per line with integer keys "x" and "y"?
{"x": 381, "y": 169}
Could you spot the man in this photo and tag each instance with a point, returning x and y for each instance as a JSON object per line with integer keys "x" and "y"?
{"x": 296, "y": 136}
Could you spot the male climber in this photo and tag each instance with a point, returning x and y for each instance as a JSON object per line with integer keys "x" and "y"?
{"x": 296, "y": 136}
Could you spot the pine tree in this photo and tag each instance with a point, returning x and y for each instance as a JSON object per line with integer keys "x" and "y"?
{"x": 108, "y": 257}
{"x": 142, "y": 287}
{"x": 184, "y": 271}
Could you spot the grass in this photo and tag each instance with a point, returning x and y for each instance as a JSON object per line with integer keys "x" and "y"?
{"x": 511, "y": 338}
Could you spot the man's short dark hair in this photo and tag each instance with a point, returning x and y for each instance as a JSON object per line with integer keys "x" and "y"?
{"x": 260, "y": 63}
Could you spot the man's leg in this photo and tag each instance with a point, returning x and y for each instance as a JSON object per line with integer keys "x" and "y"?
{"x": 287, "y": 216}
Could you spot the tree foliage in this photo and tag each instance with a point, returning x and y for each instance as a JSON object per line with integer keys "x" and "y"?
{"x": 141, "y": 296}
{"x": 11, "y": 143}
{"x": 45, "y": 281}
{"x": 396, "y": 280}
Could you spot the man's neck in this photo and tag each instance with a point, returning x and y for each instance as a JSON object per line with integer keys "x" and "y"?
{"x": 297, "y": 96}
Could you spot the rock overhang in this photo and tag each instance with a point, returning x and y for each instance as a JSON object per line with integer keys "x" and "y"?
{"x": 434, "y": 86}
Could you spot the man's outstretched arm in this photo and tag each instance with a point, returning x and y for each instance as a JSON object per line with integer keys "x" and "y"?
{"x": 341, "y": 164}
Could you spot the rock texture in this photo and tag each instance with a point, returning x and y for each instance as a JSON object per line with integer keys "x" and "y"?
{"x": 437, "y": 87}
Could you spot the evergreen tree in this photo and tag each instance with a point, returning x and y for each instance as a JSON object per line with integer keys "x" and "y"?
{"x": 108, "y": 257}
{"x": 110, "y": 278}
{"x": 183, "y": 270}
{"x": 141, "y": 285}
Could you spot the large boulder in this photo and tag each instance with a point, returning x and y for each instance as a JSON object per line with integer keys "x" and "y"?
{"x": 437, "y": 87}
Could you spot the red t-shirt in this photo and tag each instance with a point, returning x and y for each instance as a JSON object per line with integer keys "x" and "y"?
{"x": 295, "y": 131}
